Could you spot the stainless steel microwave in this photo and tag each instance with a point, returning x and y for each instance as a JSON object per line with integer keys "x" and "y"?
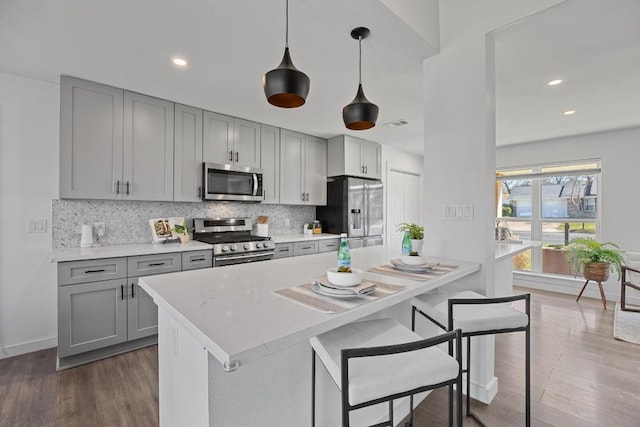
{"x": 227, "y": 182}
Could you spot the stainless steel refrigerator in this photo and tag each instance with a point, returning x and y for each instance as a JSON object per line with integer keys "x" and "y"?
{"x": 354, "y": 206}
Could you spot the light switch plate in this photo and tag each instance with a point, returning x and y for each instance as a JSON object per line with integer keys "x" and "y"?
{"x": 36, "y": 226}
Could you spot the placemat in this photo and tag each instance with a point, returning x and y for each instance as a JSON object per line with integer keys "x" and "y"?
{"x": 389, "y": 270}
{"x": 302, "y": 294}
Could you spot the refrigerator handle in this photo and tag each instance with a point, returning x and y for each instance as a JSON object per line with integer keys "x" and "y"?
{"x": 366, "y": 209}
{"x": 356, "y": 219}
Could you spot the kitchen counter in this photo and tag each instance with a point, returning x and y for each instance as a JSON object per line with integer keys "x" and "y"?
{"x": 286, "y": 238}
{"x": 507, "y": 249}
{"x": 225, "y": 339}
{"x": 114, "y": 251}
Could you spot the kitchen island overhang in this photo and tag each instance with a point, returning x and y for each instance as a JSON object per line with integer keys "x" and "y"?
{"x": 232, "y": 314}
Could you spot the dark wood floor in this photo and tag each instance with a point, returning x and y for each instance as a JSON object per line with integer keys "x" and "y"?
{"x": 581, "y": 376}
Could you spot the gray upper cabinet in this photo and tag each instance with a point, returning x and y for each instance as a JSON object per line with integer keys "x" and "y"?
{"x": 303, "y": 169}
{"x": 352, "y": 156}
{"x": 148, "y": 148}
{"x": 187, "y": 172}
{"x": 91, "y": 122}
{"x": 229, "y": 140}
{"x": 270, "y": 163}
{"x": 114, "y": 144}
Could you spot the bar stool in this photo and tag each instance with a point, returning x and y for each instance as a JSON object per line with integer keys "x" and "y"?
{"x": 381, "y": 360}
{"x": 477, "y": 315}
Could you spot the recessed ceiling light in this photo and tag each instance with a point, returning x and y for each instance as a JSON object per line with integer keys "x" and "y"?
{"x": 554, "y": 82}
{"x": 180, "y": 62}
{"x": 569, "y": 112}
{"x": 397, "y": 123}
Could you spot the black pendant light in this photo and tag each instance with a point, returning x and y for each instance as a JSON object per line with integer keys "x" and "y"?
{"x": 360, "y": 114}
{"x": 286, "y": 86}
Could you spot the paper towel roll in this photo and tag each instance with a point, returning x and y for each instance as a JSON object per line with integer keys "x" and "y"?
{"x": 87, "y": 236}
{"x": 263, "y": 230}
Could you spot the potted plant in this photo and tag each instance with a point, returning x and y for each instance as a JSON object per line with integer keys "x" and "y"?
{"x": 416, "y": 233}
{"x": 594, "y": 259}
{"x": 182, "y": 231}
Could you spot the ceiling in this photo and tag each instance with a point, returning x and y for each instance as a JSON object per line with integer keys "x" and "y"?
{"x": 594, "y": 47}
{"x": 230, "y": 45}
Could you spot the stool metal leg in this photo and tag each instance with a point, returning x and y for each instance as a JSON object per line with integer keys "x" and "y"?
{"x": 527, "y": 335}
{"x": 313, "y": 387}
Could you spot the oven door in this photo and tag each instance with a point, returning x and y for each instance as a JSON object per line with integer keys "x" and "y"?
{"x": 232, "y": 259}
{"x": 226, "y": 182}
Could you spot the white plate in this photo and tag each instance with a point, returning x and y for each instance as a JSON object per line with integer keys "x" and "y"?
{"x": 399, "y": 265}
{"x": 330, "y": 292}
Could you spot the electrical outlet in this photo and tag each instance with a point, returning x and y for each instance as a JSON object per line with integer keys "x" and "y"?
{"x": 99, "y": 228}
{"x": 287, "y": 224}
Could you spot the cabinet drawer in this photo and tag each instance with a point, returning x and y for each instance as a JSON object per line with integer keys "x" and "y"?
{"x": 329, "y": 245}
{"x": 146, "y": 265}
{"x": 305, "y": 248}
{"x": 197, "y": 259}
{"x": 93, "y": 270}
{"x": 284, "y": 250}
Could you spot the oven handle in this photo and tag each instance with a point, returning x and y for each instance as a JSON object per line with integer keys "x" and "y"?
{"x": 253, "y": 255}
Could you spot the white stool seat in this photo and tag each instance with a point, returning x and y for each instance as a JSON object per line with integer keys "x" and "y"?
{"x": 378, "y": 376}
{"x": 470, "y": 317}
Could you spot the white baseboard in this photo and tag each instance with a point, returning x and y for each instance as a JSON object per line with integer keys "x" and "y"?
{"x": 570, "y": 286}
{"x": 483, "y": 393}
{"x": 28, "y": 347}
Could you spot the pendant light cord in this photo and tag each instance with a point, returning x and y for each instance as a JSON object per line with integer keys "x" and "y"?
{"x": 359, "y": 60}
{"x": 286, "y": 34}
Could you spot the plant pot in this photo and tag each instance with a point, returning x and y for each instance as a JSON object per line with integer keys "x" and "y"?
{"x": 596, "y": 271}
{"x": 416, "y": 245}
{"x": 184, "y": 238}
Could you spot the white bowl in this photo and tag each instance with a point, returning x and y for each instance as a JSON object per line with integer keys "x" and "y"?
{"x": 344, "y": 279}
{"x": 413, "y": 260}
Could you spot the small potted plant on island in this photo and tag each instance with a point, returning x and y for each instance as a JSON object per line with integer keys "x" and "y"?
{"x": 416, "y": 233}
{"x": 182, "y": 231}
{"x": 594, "y": 259}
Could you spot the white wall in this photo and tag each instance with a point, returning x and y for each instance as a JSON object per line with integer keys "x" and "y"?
{"x": 619, "y": 202}
{"x": 29, "y": 123}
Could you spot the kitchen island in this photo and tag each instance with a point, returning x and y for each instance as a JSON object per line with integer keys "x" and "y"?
{"x": 505, "y": 251}
{"x": 231, "y": 352}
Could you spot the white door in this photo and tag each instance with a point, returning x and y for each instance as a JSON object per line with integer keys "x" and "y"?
{"x": 403, "y": 203}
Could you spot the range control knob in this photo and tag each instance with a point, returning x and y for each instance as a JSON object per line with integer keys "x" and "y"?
{"x": 234, "y": 248}
{"x": 246, "y": 246}
{"x": 225, "y": 248}
{"x": 265, "y": 245}
{"x": 258, "y": 245}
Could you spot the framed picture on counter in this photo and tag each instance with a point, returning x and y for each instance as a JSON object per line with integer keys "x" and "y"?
{"x": 161, "y": 228}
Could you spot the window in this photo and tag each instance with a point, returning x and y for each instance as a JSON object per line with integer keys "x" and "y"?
{"x": 552, "y": 204}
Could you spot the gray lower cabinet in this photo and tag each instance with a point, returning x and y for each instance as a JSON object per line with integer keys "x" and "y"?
{"x": 284, "y": 250}
{"x": 100, "y": 303}
{"x": 329, "y": 245}
{"x": 91, "y": 316}
{"x": 305, "y": 248}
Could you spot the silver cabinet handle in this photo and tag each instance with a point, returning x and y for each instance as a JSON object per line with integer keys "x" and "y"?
{"x": 127, "y": 188}
{"x": 307, "y": 197}
{"x": 366, "y": 170}
{"x": 156, "y": 264}
{"x": 283, "y": 249}
{"x": 231, "y": 156}
{"x": 94, "y": 271}
{"x": 303, "y": 197}
{"x": 118, "y": 187}
{"x": 237, "y": 156}
{"x": 133, "y": 295}
{"x": 197, "y": 259}
{"x": 199, "y": 191}
{"x": 362, "y": 167}
{"x": 121, "y": 292}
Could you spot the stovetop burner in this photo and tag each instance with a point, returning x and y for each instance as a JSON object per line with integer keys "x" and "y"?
{"x": 230, "y": 236}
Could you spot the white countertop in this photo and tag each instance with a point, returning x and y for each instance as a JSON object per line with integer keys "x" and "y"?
{"x": 507, "y": 249}
{"x": 234, "y": 314}
{"x": 113, "y": 251}
{"x": 286, "y": 238}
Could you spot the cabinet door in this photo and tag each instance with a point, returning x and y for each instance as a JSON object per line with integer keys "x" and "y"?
{"x": 91, "y": 117}
{"x": 315, "y": 171}
{"x": 217, "y": 138}
{"x": 142, "y": 312}
{"x": 91, "y": 316}
{"x": 353, "y": 148}
{"x": 292, "y": 146}
{"x": 372, "y": 160}
{"x": 187, "y": 174}
{"x": 246, "y": 143}
{"x": 148, "y": 148}
{"x": 270, "y": 163}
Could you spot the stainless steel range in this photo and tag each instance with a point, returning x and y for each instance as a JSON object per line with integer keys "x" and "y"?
{"x": 232, "y": 240}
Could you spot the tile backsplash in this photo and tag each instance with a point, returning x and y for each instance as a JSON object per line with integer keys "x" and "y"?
{"x": 128, "y": 221}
